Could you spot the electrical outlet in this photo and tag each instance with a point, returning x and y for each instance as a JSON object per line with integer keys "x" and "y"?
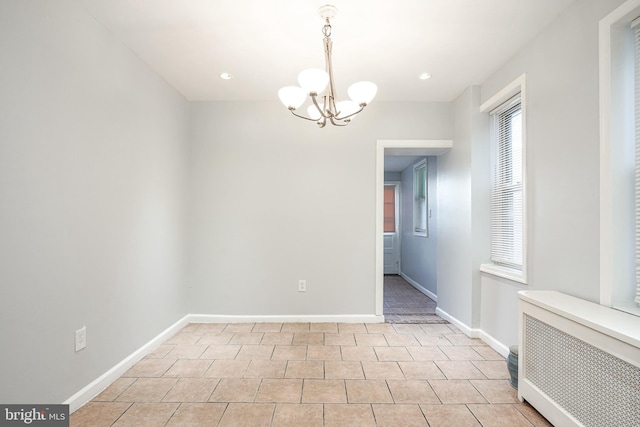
{"x": 81, "y": 338}
{"x": 302, "y": 286}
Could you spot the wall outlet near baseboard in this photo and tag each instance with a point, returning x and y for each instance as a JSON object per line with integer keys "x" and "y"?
{"x": 302, "y": 286}
{"x": 81, "y": 338}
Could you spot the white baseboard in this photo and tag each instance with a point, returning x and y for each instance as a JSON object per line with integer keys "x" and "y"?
{"x": 494, "y": 344}
{"x": 338, "y": 318}
{"x": 499, "y": 347}
{"x": 103, "y": 381}
{"x": 419, "y": 287}
{"x": 471, "y": 333}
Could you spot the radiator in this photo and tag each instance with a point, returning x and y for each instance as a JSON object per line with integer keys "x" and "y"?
{"x": 578, "y": 362}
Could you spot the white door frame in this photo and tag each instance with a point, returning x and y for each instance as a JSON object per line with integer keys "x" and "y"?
{"x": 397, "y": 147}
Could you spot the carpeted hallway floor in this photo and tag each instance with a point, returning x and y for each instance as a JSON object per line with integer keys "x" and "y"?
{"x": 405, "y": 304}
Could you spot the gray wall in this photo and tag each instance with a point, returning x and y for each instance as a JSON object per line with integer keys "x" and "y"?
{"x": 563, "y": 163}
{"x": 419, "y": 254}
{"x": 274, "y": 199}
{"x": 463, "y": 202}
{"x": 92, "y": 189}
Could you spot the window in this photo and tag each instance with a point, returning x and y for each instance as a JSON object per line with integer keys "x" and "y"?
{"x": 619, "y": 163}
{"x": 507, "y": 200}
{"x": 506, "y": 185}
{"x": 420, "y": 198}
{"x": 389, "y": 208}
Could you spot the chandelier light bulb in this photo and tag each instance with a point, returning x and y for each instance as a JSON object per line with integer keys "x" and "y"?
{"x": 313, "y": 80}
{"x": 292, "y": 96}
{"x": 346, "y": 108}
{"x": 362, "y": 92}
{"x": 313, "y": 112}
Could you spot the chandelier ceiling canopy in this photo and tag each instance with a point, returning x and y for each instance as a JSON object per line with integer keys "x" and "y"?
{"x": 319, "y": 85}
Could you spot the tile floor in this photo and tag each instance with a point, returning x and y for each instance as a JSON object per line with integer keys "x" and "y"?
{"x": 405, "y": 304}
{"x": 318, "y": 374}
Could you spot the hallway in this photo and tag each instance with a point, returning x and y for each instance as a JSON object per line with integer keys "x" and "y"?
{"x": 405, "y": 304}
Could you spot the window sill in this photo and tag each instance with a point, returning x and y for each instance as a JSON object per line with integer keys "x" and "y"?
{"x": 504, "y": 272}
{"x": 630, "y": 308}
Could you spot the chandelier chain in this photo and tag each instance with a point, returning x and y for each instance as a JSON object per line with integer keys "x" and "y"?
{"x": 326, "y": 30}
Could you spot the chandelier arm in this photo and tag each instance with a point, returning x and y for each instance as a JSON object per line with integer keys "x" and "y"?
{"x": 353, "y": 114}
{"x": 302, "y": 117}
{"x": 333, "y": 108}
{"x": 333, "y": 122}
{"x": 315, "y": 102}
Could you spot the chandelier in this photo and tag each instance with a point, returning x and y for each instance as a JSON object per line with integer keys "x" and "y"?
{"x": 315, "y": 81}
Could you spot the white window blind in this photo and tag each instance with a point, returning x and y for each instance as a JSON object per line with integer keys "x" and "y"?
{"x": 507, "y": 221}
{"x": 636, "y": 26}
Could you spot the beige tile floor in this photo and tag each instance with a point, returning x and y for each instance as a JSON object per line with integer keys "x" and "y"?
{"x": 314, "y": 374}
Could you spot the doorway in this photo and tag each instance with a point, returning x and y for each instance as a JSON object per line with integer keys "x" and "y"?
{"x": 395, "y": 148}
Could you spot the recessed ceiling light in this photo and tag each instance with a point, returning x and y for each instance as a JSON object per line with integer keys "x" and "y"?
{"x": 425, "y": 76}
{"x": 225, "y": 76}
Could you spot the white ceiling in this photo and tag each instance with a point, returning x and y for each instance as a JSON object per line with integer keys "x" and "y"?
{"x": 265, "y": 43}
{"x": 399, "y": 163}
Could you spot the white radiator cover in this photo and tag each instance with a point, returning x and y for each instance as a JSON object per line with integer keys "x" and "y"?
{"x": 578, "y": 362}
